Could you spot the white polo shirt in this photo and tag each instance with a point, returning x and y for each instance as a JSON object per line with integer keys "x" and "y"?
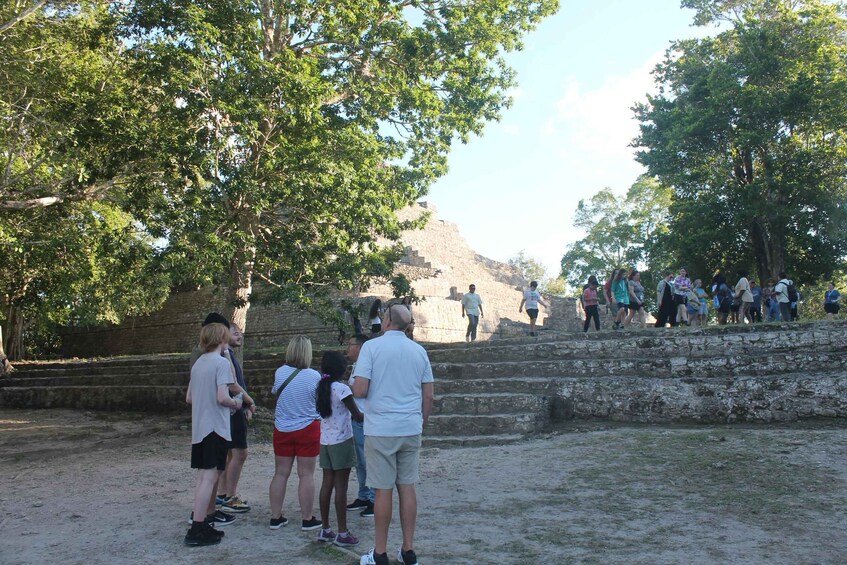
{"x": 396, "y": 367}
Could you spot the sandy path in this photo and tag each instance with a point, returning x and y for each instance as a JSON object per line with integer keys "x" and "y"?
{"x": 94, "y": 488}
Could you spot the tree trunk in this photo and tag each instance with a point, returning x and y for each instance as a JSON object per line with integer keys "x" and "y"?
{"x": 769, "y": 251}
{"x": 15, "y": 340}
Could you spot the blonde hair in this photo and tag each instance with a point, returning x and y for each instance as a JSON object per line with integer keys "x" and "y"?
{"x": 299, "y": 352}
{"x": 212, "y": 335}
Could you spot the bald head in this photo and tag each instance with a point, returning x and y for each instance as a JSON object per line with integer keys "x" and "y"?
{"x": 398, "y": 317}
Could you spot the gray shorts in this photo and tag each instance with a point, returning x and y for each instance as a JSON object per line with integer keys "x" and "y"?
{"x": 392, "y": 460}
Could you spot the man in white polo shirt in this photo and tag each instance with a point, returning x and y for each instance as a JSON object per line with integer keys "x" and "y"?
{"x": 394, "y": 375}
{"x": 472, "y": 306}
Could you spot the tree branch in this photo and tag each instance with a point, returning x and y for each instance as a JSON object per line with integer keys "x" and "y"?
{"x": 23, "y": 15}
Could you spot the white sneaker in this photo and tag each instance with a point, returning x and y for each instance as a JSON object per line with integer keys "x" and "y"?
{"x": 368, "y": 558}
{"x": 408, "y": 559}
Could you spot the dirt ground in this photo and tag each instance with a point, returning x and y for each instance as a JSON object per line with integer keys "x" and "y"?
{"x": 83, "y": 487}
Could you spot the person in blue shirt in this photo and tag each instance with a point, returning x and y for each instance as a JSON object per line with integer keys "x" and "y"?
{"x": 831, "y": 300}
{"x": 755, "y": 313}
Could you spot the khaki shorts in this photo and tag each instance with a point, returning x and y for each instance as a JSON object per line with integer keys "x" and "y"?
{"x": 392, "y": 460}
{"x": 339, "y": 456}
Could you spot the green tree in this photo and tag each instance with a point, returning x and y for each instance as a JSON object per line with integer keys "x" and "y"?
{"x": 295, "y": 130}
{"x": 749, "y": 129}
{"x": 74, "y": 136}
{"x": 620, "y": 232}
{"x": 529, "y": 268}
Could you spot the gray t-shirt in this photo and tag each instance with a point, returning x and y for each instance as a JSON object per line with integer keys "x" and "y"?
{"x": 209, "y": 372}
{"x": 396, "y": 367}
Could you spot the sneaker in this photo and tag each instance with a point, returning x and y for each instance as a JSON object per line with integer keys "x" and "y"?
{"x": 371, "y": 558}
{"x": 199, "y": 537}
{"x": 347, "y": 540}
{"x": 407, "y": 557}
{"x": 220, "y": 518}
{"x": 311, "y": 524}
{"x": 368, "y": 512}
{"x": 357, "y": 504}
{"x": 326, "y": 535}
{"x": 277, "y": 523}
{"x": 220, "y": 499}
{"x": 236, "y": 505}
{"x": 209, "y": 523}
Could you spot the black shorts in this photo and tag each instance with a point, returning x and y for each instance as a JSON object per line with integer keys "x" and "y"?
{"x": 680, "y": 300}
{"x": 210, "y": 453}
{"x": 238, "y": 429}
{"x": 634, "y": 306}
{"x": 736, "y": 306}
{"x": 533, "y": 313}
{"x": 831, "y": 307}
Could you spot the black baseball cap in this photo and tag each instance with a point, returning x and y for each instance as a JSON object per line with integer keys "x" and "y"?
{"x": 215, "y": 318}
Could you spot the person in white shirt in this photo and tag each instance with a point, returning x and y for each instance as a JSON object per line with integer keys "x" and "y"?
{"x": 781, "y": 292}
{"x": 394, "y": 375}
{"x": 532, "y": 298}
{"x": 472, "y": 306}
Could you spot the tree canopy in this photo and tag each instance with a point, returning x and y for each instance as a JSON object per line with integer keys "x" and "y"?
{"x": 247, "y": 139}
{"x": 749, "y": 129}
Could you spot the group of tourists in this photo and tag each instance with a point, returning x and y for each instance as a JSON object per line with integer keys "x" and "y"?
{"x": 681, "y": 301}
{"x": 372, "y": 422}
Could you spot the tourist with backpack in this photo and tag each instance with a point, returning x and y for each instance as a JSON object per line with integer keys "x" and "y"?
{"x": 785, "y": 291}
{"x": 723, "y": 297}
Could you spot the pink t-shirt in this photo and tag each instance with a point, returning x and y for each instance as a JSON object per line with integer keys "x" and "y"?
{"x": 589, "y": 297}
{"x": 337, "y": 428}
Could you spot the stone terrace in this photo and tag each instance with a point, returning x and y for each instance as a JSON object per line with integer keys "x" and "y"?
{"x": 499, "y": 391}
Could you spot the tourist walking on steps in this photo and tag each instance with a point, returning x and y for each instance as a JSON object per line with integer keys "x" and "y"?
{"x": 831, "y": 302}
{"x": 611, "y": 305}
{"x": 211, "y": 404}
{"x": 228, "y": 496}
{"x": 297, "y": 432}
{"x": 374, "y": 317}
{"x": 681, "y": 286}
{"x": 532, "y": 298}
{"x": 365, "y": 498}
{"x": 590, "y": 304}
{"x": 395, "y": 376}
{"x": 744, "y": 296}
{"x": 636, "y": 300}
{"x": 781, "y": 291}
{"x": 755, "y": 314}
{"x": 472, "y": 306}
{"x": 338, "y": 451}
{"x": 620, "y": 294}
{"x": 665, "y": 301}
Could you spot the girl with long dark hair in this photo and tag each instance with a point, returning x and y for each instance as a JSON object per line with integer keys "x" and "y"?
{"x": 338, "y": 453}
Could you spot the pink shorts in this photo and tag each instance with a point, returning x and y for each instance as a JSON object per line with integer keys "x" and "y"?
{"x": 302, "y": 443}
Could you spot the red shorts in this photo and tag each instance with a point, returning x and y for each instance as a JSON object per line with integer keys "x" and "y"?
{"x": 302, "y": 443}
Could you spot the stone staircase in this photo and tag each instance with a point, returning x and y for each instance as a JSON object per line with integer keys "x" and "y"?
{"x": 499, "y": 391}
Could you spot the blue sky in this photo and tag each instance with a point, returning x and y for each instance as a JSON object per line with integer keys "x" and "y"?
{"x": 566, "y": 135}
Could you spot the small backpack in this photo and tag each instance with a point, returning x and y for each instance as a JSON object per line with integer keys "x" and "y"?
{"x": 793, "y": 295}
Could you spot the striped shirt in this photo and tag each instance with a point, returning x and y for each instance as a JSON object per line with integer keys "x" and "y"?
{"x": 296, "y": 406}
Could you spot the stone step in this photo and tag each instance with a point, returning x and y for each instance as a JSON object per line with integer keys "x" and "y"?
{"x": 470, "y": 441}
{"x": 625, "y": 345}
{"x": 650, "y": 367}
{"x": 487, "y": 424}
{"x": 488, "y": 403}
{"x": 158, "y": 399}
{"x": 528, "y": 385}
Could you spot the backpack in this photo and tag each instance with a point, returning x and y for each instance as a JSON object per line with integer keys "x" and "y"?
{"x": 793, "y": 295}
{"x": 724, "y": 295}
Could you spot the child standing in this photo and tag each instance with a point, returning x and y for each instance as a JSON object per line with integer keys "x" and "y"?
{"x": 338, "y": 453}
{"x": 208, "y": 394}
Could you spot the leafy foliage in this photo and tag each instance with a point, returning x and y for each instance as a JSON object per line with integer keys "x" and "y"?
{"x": 620, "y": 232}
{"x": 750, "y": 130}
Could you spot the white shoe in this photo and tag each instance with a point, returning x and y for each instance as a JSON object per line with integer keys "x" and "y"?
{"x": 411, "y": 558}
{"x": 368, "y": 558}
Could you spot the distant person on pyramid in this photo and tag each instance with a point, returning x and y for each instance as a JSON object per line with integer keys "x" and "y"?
{"x": 532, "y": 298}
{"x": 472, "y": 306}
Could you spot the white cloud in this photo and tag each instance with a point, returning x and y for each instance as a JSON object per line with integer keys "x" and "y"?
{"x": 600, "y": 121}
